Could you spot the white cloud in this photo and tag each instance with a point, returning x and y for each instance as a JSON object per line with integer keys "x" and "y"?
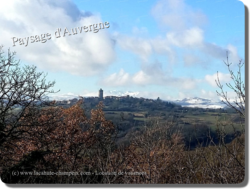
{"x": 176, "y": 15}
{"x": 82, "y": 54}
{"x": 214, "y": 50}
{"x": 66, "y": 96}
{"x": 224, "y": 78}
{"x": 139, "y": 31}
{"x": 117, "y": 79}
{"x": 192, "y": 37}
{"x": 184, "y": 32}
{"x": 233, "y": 54}
{"x": 191, "y": 59}
{"x": 145, "y": 47}
{"x": 150, "y": 74}
{"x": 209, "y": 95}
{"x": 162, "y": 47}
{"x": 190, "y": 41}
{"x": 141, "y": 78}
{"x": 139, "y": 46}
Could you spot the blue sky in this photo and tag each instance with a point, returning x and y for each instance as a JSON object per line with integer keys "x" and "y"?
{"x": 167, "y": 48}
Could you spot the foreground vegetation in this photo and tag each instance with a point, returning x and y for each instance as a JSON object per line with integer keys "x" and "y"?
{"x": 75, "y": 143}
{"x": 132, "y": 114}
{"x": 41, "y": 142}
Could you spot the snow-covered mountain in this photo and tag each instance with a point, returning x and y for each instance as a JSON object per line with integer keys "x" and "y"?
{"x": 199, "y": 102}
{"x": 121, "y": 93}
{"x": 66, "y": 96}
{"x": 186, "y": 102}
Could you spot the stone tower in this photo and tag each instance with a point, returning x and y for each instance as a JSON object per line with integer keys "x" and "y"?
{"x": 101, "y": 94}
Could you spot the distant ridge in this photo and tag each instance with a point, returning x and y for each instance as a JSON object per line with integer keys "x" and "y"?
{"x": 186, "y": 102}
{"x": 199, "y": 103}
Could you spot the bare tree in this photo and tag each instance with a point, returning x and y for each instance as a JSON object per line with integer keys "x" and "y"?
{"x": 21, "y": 88}
{"x": 237, "y": 85}
{"x": 222, "y": 162}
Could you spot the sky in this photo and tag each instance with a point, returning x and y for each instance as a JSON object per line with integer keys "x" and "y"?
{"x": 170, "y": 49}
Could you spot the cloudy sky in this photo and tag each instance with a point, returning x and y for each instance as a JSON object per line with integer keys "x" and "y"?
{"x": 167, "y": 48}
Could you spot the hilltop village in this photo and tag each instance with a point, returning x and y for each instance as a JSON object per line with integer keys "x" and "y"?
{"x": 101, "y": 97}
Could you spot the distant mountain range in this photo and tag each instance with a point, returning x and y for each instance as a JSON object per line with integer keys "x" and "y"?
{"x": 69, "y": 96}
{"x": 121, "y": 93}
{"x": 186, "y": 102}
{"x": 199, "y": 102}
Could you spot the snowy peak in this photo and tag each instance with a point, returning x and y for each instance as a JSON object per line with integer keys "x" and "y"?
{"x": 121, "y": 93}
{"x": 199, "y": 103}
{"x": 195, "y": 100}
